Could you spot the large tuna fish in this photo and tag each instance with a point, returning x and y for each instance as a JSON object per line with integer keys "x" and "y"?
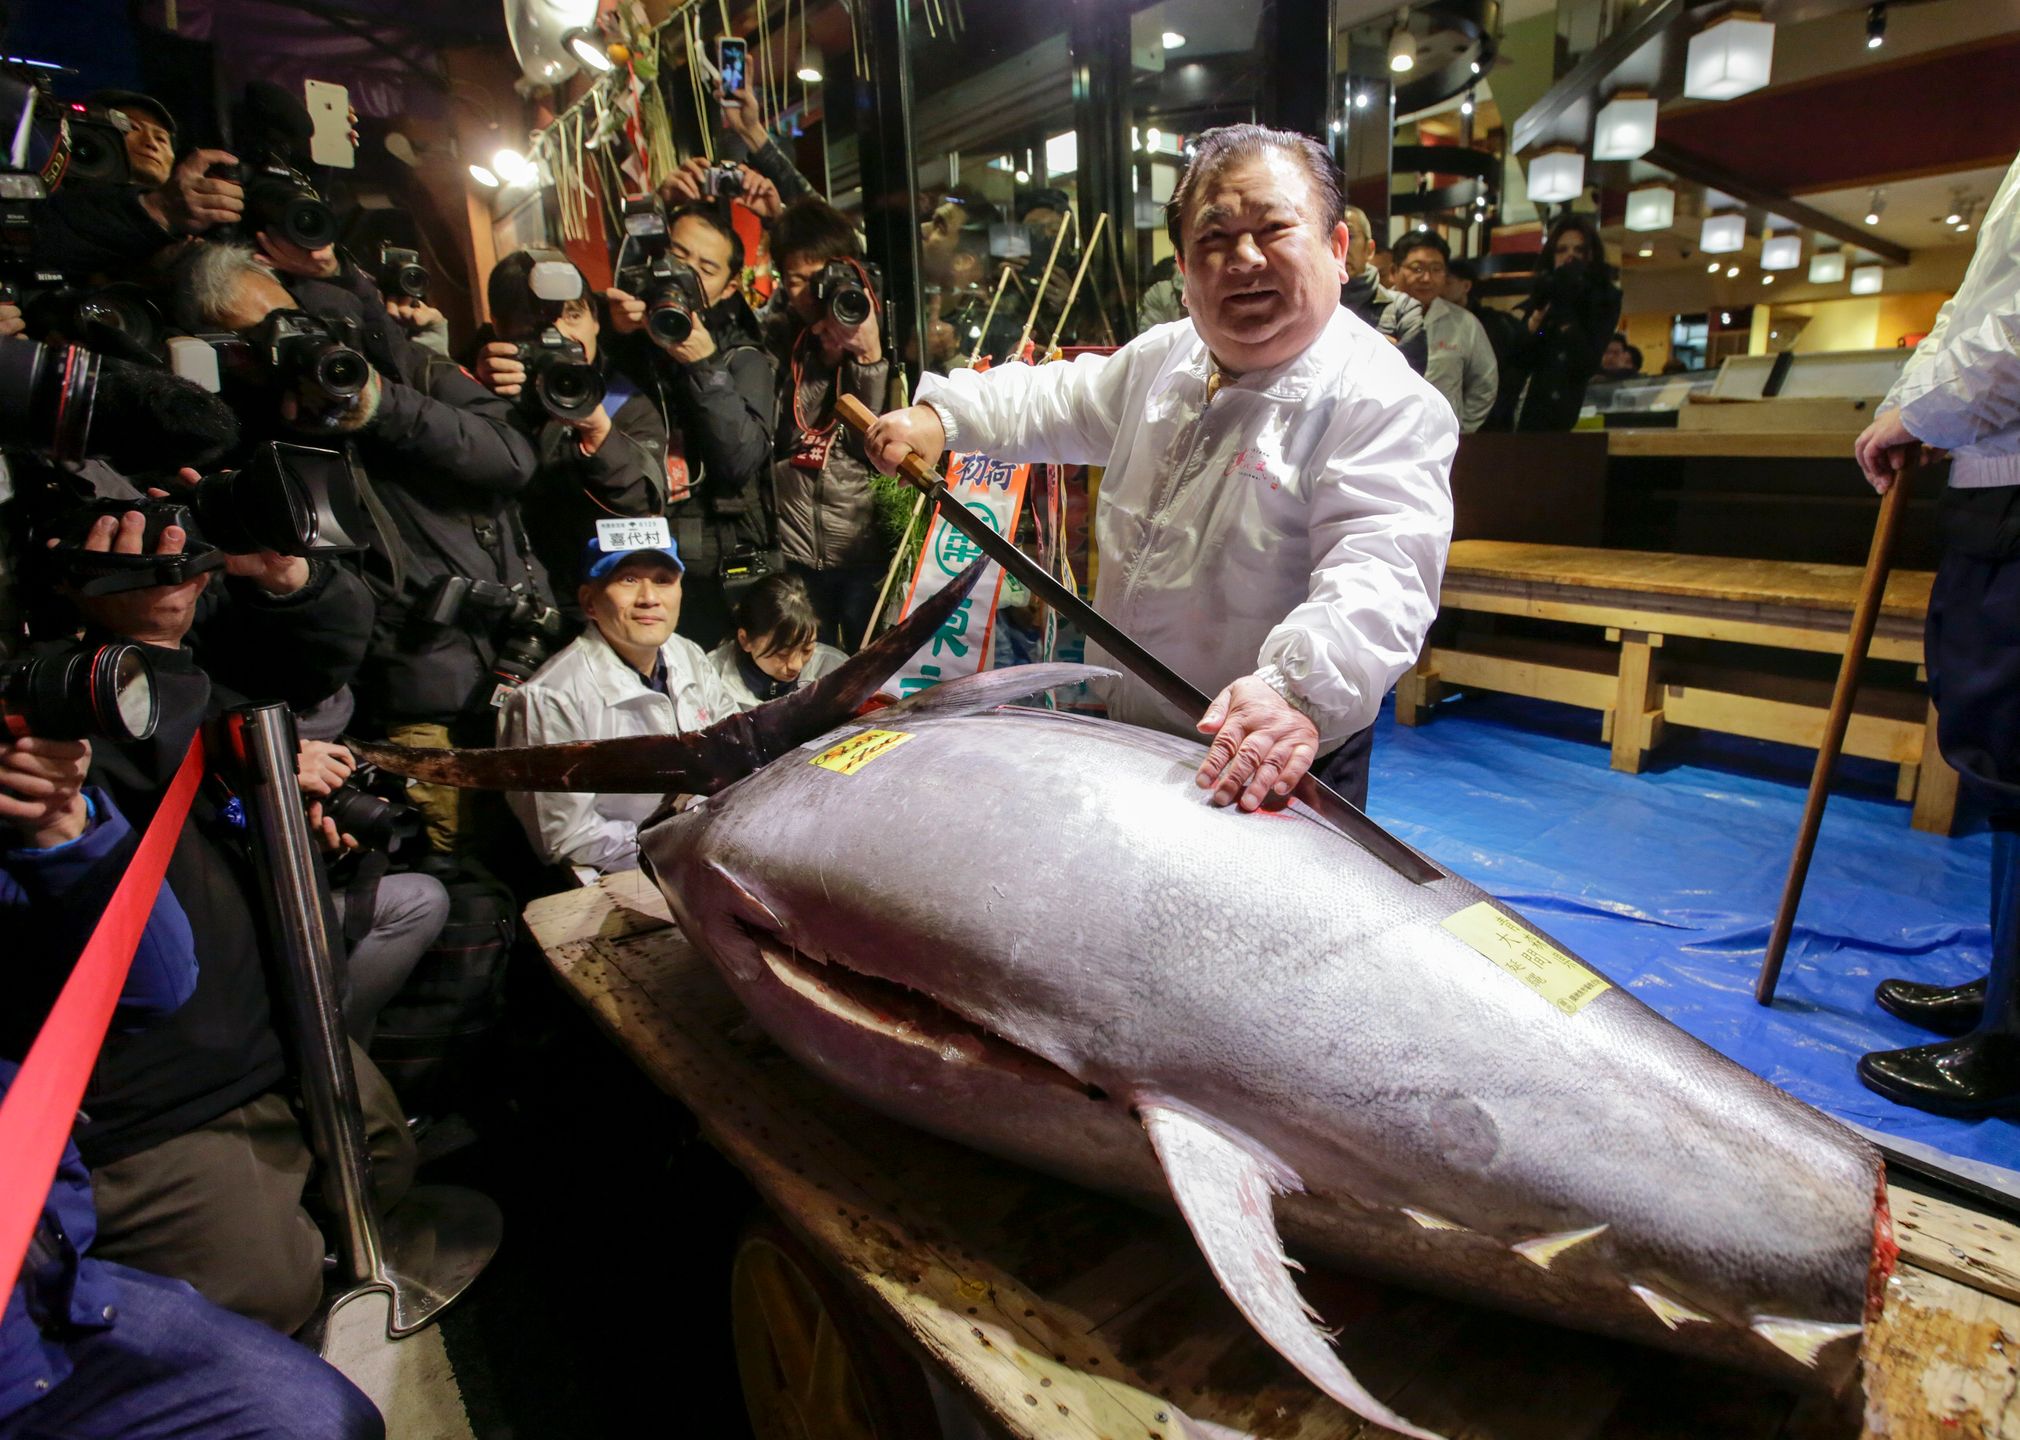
{"x": 1030, "y": 932}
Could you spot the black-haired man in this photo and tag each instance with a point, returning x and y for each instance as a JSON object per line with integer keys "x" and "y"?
{"x": 1459, "y": 360}
{"x": 1272, "y": 427}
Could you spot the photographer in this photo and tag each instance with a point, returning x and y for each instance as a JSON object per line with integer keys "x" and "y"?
{"x": 88, "y": 1347}
{"x": 464, "y": 604}
{"x": 195, "y": 1148}
{"x": 827, "y": 336}
{"x": 1569, "y": 316}
{"x": 598, "y": 456}
{"x": 682, "y": 294}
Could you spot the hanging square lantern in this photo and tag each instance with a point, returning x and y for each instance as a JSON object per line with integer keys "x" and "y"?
{"x": 1625, "y": 129}
{"x": 1781, "y": 252}
{"x": 1866, "y": 280}
{"x": 1557, "y": 175}
{"x": 1652, "y": 207}
{"x": 1729, "y": 58}
{"x": 1827, "y": 267}
{"x": 1722, "y": 234}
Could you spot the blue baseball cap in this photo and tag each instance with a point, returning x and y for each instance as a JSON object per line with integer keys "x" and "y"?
{"x": 598, "y": 562}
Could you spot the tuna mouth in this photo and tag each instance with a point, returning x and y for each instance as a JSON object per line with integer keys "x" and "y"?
{"x": 906, "y": 1016}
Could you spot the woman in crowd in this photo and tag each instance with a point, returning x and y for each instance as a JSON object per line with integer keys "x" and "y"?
{"x": 774, "y": 649}
{"x": 1570, "y": 315}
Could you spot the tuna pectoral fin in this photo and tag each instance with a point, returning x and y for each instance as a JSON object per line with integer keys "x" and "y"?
{"x": 1223, "y": 1189}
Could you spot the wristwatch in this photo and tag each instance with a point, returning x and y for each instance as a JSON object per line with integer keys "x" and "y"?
{"x": 1273, "y": 676}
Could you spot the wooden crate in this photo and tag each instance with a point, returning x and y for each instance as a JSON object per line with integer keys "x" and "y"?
{"x": 1066, "y": 1315}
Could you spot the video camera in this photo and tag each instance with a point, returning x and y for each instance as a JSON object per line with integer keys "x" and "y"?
{"x": 844, "y": 290}
{"x": 558, "y": 373}
{"x": 401, "y": 273}
{"x": 81, "y": 692}
{"x": 290, "y": 499}
{"x": 672, "y": 292}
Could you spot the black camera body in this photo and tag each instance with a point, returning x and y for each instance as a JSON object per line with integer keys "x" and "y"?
{"x": 401, "y": 273}
{"x": 280, "y": 200}
{"x": 97, "y": 141}
{"x": 559, "y": 377}
{"x": 840, "y": 289}
{"x": 367, "y": 808}
{"x": 300, "y": 349}
{"x": 526, "y": 628}
{"x": 672, "y": 292}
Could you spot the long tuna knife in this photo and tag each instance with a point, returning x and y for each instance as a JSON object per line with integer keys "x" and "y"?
{"x": 1321, "y": 798}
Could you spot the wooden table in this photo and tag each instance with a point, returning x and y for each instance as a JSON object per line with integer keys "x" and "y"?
{"x": 1064, "y": 1314}
{"x": 1640, "y": 599}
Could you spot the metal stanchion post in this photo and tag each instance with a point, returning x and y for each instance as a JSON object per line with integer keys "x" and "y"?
{"x": 428, "y": 1248}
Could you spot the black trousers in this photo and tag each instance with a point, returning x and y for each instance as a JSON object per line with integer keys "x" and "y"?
{"x": 1345, "y": 770}
{"x": 1972, "y": 645}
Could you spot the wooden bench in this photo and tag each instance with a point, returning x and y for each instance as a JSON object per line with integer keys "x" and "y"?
{"x": 1638, "y": 600}
{"x": 1060, "y": 1314}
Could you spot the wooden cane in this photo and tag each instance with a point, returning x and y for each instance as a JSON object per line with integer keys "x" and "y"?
{"x": 1073, "y": 291}
{"x": 1871, "y": 589}
{"x": 1023, "y": 350}
{"x": 982, "y": 335}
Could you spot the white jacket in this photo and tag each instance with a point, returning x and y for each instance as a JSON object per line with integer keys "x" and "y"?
{"x": 1299, "y": 521}
{"x": 1460, "y": 362}
{"x": 723, "y": 657}
{"x": 1960, "y": 391}
{"x": 588, "y": 692}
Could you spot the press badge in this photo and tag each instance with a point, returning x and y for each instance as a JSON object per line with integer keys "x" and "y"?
{"x": 633, "y": 532}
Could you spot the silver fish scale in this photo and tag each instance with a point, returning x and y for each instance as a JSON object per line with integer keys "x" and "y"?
{"x": 1064, "y": 885}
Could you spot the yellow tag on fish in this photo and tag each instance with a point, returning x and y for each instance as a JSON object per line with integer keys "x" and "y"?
{"x": 859, "y": 750}
{"x": 1527, "y": 956}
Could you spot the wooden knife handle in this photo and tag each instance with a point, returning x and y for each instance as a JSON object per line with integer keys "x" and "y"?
{"x": 914, "y": 467}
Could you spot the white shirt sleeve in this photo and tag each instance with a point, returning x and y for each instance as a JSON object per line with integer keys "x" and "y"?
{"x": 1483, "y": 376}
{"x": 564, "y": 826}
{"x": 1963, "y": 383}
{"x": 1381, "y": 523}
{"x": 1067, "y": 412}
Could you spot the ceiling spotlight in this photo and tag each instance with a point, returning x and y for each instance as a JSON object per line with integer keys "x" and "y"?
{"x": 1876, "y": 26}
{"x": 1876, "y": 207}
{"x": 1466, "y": 105}
{"x": 1173, "y": 40}
{"x": 1725, "y": 317}
{"x": 1953, "y": 218}
{"x": 1644, "y": 252}
{"x": 541, "y": 32}
{"x": 1402, "y": 45}
{"x": 1732, "y": 272}
{"x": 1023, "y": 177}
{"x": 1476, "y": 67}
{"x": 810, "y": 65}
{"x": 1153, "y": 137}
{"x": 1711, "y": 269}
{"x": 1361, "y": 100}
{"x": 1336, "y": 127}
{"x": 484, "y": 177}
{"x": 513, "y": 168}
{"x": 1767, "y": 279}
{"x": 589, "y": 50}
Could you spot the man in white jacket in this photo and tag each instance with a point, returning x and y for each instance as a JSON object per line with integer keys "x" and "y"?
{"x": 1961, "y": 393}
{"x": 627, "y": 673}
{"x": 1276, "y": 509}
{"x": 1459, "y": 361}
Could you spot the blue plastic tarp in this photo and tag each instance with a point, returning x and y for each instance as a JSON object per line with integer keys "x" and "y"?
{"x": 1668, "y": 881}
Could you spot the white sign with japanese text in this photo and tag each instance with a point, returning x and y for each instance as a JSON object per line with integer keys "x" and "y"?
{"x": 994, "y": 491}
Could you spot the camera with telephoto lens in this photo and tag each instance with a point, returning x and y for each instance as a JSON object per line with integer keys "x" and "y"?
{"x": 298, "y": 349}
{"x": 289, "y": 499}
{"x": 119, "y": 319}
{"x": 280, "y": 200}
{"x": 839, "y": 288}
{"x": 526, "y": 628}
{"x": 82, "y": 692}
{"x": 672, "y": 292}
{"x": 401, "y": 273}
{"x": 46, "y": 397}
{"x": 367, "y": 807}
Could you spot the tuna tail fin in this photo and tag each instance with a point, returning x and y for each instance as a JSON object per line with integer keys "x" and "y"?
{"x": 1223, "y": 1189}
{"x": 700, "y": 763}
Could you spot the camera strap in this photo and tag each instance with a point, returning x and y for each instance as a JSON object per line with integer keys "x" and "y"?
{"x": 41, "y": 1105}
{"x": 811, "y": 444}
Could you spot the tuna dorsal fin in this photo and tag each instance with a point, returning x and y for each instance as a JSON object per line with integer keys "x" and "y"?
{"x": 700, "y": 763}
{"x": 990, "y": 688}
{"x": 1223, "y": 1189}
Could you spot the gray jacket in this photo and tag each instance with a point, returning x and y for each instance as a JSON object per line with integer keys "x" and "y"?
{"x": 826, "y": 518}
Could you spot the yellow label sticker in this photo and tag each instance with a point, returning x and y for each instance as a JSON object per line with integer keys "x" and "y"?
{"x": 1557, "y": 977}
{"x": 859, "y": 750}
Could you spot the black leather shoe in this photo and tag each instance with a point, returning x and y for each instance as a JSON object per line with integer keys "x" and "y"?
{"x": 1973, "y": 1077}
{"x": 1944, "y": 1009}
